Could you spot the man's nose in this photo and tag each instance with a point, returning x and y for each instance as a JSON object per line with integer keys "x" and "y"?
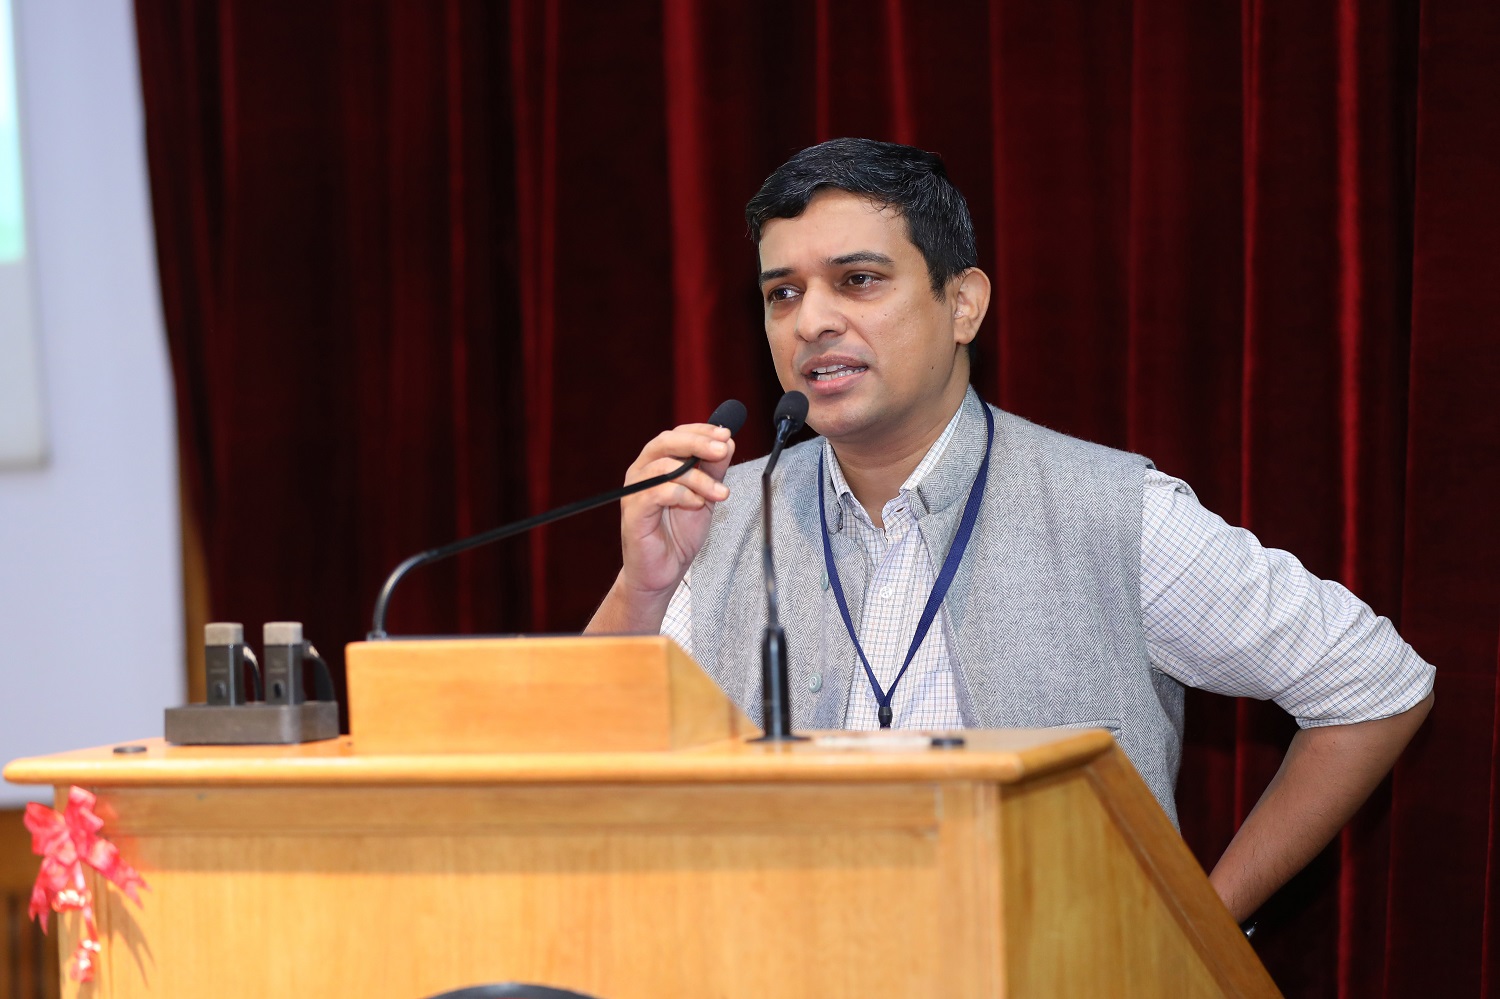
{"x": 819, "y": 314}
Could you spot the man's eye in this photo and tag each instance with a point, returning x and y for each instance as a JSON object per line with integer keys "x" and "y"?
{"x": 780, "y": 294}
{"x": 860, "y": 280}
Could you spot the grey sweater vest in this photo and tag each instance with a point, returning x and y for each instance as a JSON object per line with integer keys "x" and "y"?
{"x": 1044, "y": 614}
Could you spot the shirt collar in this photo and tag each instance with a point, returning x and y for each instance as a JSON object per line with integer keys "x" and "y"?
{"x": 934, "y": 483}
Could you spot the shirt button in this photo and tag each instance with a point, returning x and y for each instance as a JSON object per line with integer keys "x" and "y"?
{"x": 886, "y": 592}
{"x": 815, "y": 682}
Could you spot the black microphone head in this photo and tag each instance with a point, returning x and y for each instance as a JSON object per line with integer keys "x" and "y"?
{"x": 730, "y": 415}
{"x": 793, "y": 407}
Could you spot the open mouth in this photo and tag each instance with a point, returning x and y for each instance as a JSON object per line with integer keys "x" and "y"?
{"x": 833, "y": 372}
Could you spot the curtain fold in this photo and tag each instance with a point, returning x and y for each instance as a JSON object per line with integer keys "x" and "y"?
{"x": 430, "y": 267}
{"x": 1450, "y": 589}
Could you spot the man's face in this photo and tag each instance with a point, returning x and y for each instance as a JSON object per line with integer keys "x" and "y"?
{"x": 853, "y": 323}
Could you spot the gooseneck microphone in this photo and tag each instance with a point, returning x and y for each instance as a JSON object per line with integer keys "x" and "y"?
{"x": 776, "y": 701}
{"x": 730, "y": 415}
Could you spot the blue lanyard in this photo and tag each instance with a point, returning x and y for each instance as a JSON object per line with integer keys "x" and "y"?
{"x": 939, "y": 589}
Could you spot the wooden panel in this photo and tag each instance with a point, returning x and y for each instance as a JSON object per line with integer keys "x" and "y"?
{"x": 1082, "y": 920}
{"x": 837, "y": 903}
{"x": 701, "y": 712}
{"x": 1084, "y": 909}
{"x": 1176, "y": 878}
{"x": 970, "y": 917}
{"x": 474, "y": 811}
{"x": 532, "y": 695}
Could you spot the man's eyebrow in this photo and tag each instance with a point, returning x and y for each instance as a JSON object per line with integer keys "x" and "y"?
{"x": 862, "y": 257}
{"x": 857, "y": 257}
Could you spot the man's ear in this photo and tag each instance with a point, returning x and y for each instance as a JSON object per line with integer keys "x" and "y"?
{"x": 971, "y": 300}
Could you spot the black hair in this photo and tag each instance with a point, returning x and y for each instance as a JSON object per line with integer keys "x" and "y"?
{"x": 910, "y": 181}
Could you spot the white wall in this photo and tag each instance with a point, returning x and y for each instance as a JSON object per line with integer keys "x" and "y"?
{"x": 90, "y": 587}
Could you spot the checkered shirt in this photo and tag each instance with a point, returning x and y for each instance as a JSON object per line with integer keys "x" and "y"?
{"x": 1219, "y": 611}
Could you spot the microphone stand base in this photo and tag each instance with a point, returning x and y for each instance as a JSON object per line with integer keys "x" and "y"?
{"x": 789, "y": 737}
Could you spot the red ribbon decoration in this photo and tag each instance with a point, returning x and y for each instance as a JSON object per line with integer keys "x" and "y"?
{"x": 66, "y": 842}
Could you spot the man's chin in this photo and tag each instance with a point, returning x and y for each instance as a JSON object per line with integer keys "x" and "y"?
{"x": 842, "y": 421}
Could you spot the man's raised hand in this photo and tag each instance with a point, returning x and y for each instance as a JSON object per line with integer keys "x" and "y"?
{"x": 661, "y": 529}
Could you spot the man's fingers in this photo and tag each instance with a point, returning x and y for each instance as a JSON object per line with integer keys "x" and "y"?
{"x": 696, "y": 482}
{"x": 708, "y": 429}
{"x": 705, "y": 442}
{"x": 683, "y": 498}
{"x": 646, "y": 513}
{"x": 669, "y": 450}
{"x": 719, "y": 467}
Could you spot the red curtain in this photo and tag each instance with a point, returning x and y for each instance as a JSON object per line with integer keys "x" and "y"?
{"x": 429, "y": 267}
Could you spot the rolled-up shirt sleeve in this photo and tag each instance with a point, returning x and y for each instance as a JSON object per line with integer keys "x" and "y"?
{"x": 1225, "y": 614}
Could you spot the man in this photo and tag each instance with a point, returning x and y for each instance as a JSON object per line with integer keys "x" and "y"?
{"x": 1064, "y": 583}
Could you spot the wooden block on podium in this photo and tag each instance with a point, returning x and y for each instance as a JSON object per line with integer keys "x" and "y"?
{"x": 528, "y": 695}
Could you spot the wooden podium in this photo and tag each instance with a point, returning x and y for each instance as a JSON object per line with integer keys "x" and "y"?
{"x": 651, "y": 852}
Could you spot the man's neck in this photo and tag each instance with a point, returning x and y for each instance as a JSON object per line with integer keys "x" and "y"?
{"x": 876, "y": 471}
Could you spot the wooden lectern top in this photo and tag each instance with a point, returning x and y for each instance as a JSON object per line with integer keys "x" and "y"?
{"x": 1004, "y": 757}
